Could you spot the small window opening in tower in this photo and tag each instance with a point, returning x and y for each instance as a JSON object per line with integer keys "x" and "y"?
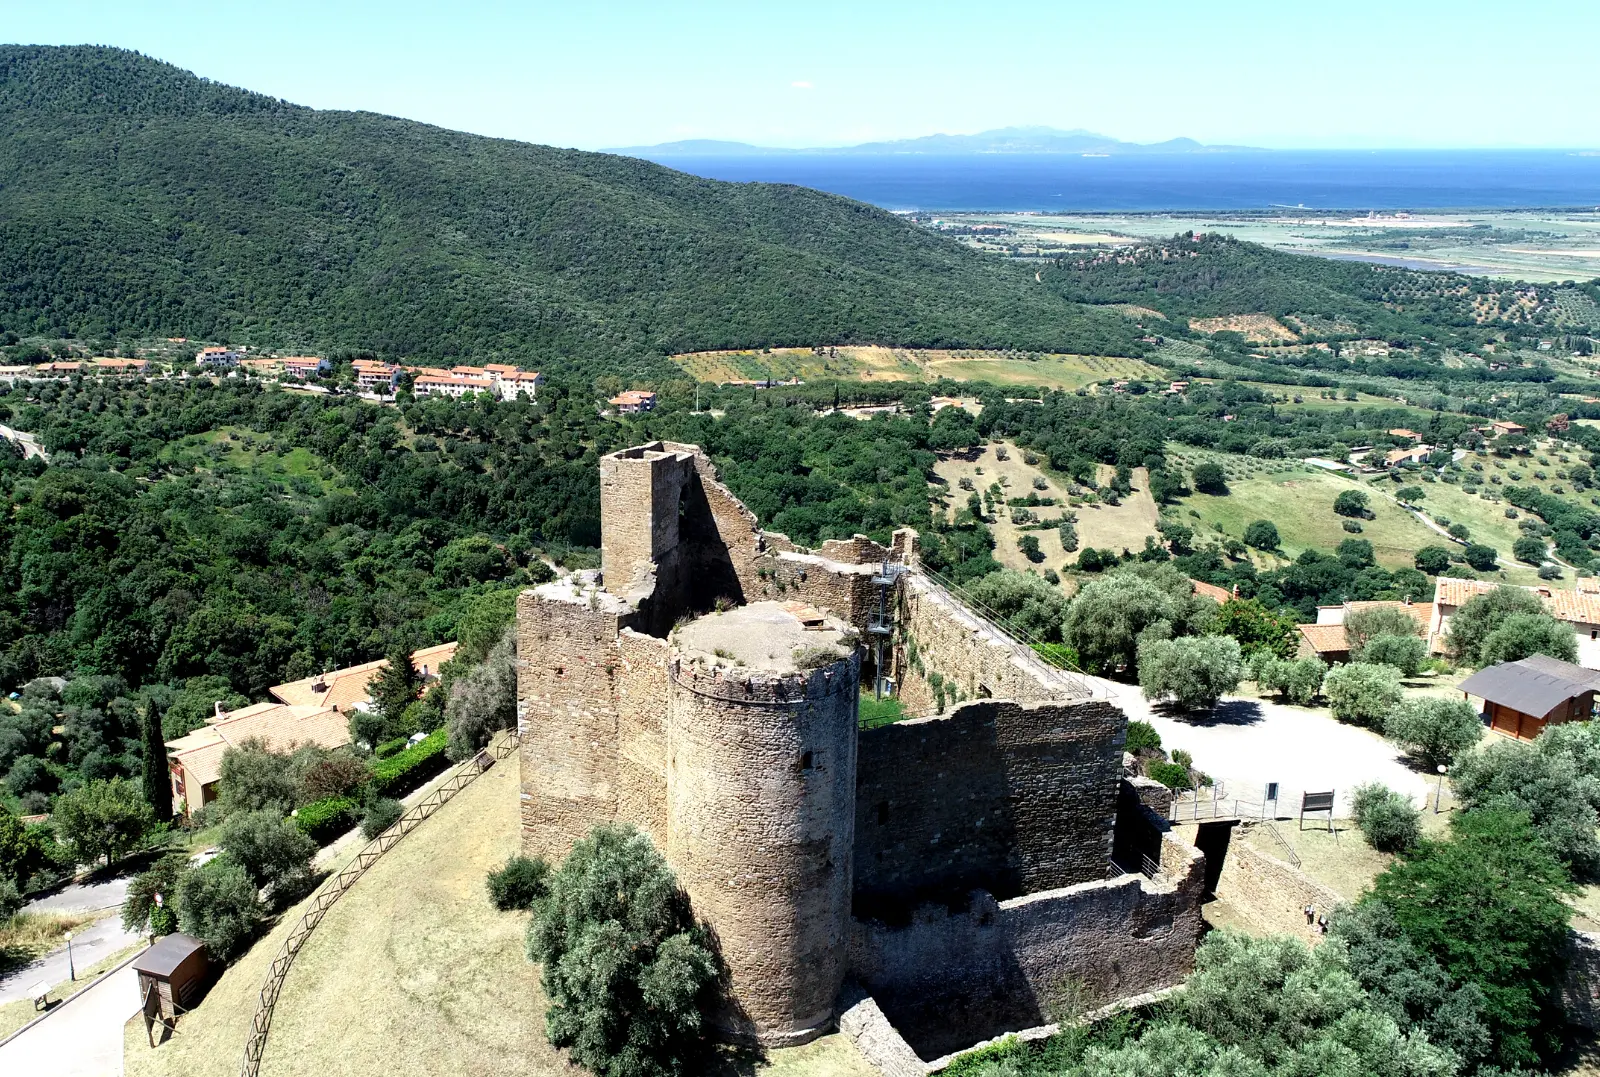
{"x": 883, "y": 813}
{"x": 805, "y": 760}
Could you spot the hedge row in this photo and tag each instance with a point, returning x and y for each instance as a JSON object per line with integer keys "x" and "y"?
{"x": 399, "y": 774}
{"x": 323, "y": 820}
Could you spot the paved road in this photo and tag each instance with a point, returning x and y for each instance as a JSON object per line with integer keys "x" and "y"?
{"x": 94, "y": 942}
{"x": 83, "y": 1038}
{"x": 86, "y": 898}
{"x": 1248, "y": 743}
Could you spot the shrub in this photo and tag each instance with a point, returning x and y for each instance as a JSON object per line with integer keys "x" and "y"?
{"x": 1171, "y": 775}
{"x": 1262, "y": 534}
{"x": 628, "y": 973}
{"x": 1256, "y": 628}
{"x": 10, "y": 899}
{"x": 1434, "y": 730}
{"x": 1351, "y": 526}
{"x": 399, "y": 774}
{"x": 518, "y": 885}
{"x": 324, "y": 820}
{"x": 1362, "y": 694}
{"x": 391, "y": 747}
{"x": 273, "y": 851}
{"x": 1196, "y": 670}
{"x": 484, "y": 699}
{"x": 1029, "y": 545}
{"x": 217, "y": 904}
{"x": 330, "y": 774}
{"x": 381, "y": 814}
{"x": 1388, "y": 820}
{"x": 1459, "y": 531}
{"x": 1142, "y": 736}
{"x": 1404, "y": 653}
{"x": 1480, "y": 557}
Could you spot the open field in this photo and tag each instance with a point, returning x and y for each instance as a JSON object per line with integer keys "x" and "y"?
{"x": 1255, "y": 327}
{"x": 1102, "y": 526}
{"x": 413, "y": 972}
{"x": 1529, "y": 245}
{"x": 874, "y": 364}
{"x": 1299, "y": 500}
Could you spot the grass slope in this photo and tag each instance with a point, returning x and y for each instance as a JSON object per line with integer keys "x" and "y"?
{"x": 413, "y": 972}
{"x": 141, "y": 200}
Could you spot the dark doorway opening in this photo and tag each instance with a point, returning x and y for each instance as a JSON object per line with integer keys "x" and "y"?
{"x": 1213, "y": 840}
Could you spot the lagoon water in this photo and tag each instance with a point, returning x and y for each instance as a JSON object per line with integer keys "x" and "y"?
{"x": 1322, "y": 179}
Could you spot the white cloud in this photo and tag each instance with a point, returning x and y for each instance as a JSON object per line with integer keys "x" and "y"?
{"x": 801, "y": 84}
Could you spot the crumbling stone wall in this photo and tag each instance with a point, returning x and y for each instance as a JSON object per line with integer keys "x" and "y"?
{"x": 761, "y": 778}
{"x": 998, "y": 795}
{"x": 948, "y": 979}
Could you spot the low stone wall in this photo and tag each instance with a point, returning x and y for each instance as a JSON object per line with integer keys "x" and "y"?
{"x": 1271, "y": 894}
{"x": 864, "y": 1024}
{"x": 947, "y": 979}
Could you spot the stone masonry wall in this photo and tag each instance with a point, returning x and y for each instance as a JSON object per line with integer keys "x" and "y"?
{"x": 948, "y": 979}
{"x": 844, "y": 590}
{"x": 568, "y": 718}
{"x": 997, "y": 795}
{"x": 967, "y": 652}
{"x": 641, "y": 685}
{"x": 1269, "y": 893}
{"x": 760, "y": 778}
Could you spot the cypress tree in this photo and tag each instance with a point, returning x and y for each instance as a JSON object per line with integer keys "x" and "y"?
{"x": 157, "y": 784}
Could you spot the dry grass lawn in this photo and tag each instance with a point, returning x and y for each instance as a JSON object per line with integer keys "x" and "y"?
{"x": 1100, "y": 526}
{"x": 1255, "y": 327}
{"x": 872, "y": 363}
{"x": 413, "y": 972}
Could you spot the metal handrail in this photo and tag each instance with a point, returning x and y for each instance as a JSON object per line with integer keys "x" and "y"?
{"x": 1074, "y": 675}
{"x": 334, "y": 888}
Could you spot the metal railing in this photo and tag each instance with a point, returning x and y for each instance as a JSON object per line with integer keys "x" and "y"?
{"x": 1214, "y": 804}
{"x": 997, "y": 621}
{"x": 337, "y": 885}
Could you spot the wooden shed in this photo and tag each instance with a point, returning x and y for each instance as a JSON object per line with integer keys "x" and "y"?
{"x": 1521, "y": 698}
{"x": 172, "y": 975}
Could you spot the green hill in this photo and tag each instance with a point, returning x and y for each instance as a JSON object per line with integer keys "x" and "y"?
{"x": 138, "y": 199}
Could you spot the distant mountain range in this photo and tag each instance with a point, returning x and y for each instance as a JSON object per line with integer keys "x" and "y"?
{"x": 1000, "y": 140}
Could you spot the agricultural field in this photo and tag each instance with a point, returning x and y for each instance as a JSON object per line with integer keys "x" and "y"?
{"x": 1101, "y": 526}
{"x": 249, "y": 451}
{"x": 1257, "y": 328}
{"x": 1299, "y": 500}
{"x": 875, "y": 364}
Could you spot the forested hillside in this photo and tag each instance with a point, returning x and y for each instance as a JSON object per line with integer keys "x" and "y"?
{"x": 139, "y": 200}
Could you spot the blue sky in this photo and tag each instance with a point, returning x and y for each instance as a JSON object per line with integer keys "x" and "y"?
{"x": 1360, "y": 73}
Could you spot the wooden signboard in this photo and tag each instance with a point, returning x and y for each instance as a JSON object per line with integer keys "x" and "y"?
{"x": 1317, "y": 802}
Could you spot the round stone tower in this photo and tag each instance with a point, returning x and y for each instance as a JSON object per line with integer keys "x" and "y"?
{"x": 761, "y": 776}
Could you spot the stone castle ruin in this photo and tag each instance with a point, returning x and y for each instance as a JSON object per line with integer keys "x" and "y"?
{"x": 983, "y": 868}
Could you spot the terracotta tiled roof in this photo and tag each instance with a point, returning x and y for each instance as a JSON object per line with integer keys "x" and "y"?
{"x": 344, "y": 688}
{"x": 279, "y": 726}
{"x": 1211, "y": 591}
{"x": 1579, "y": 607}
{"x": 1325, "y": 639}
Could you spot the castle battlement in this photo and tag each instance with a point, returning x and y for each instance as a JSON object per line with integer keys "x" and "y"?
{"x": 705, "y": 686}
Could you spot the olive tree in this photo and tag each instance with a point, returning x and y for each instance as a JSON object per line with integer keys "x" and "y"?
{"x": 1482, "y": 614}
{"x": 1435, "y": 731}
{"x": 483, "y": 700}
{"x": 1362, "y": 694}
{"x": 1404, "y": 653}
{"x": 1111, "y": 616}
{"x": 217, "y": 904}
{"x": 628, "y": 972}
{"x": 1523, "y": 634}
{"x": 1195, "y": 671}
{"x": 1365, "y": 625}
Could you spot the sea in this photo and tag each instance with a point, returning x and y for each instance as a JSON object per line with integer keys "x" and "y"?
{"x": 1292, "y": 179}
